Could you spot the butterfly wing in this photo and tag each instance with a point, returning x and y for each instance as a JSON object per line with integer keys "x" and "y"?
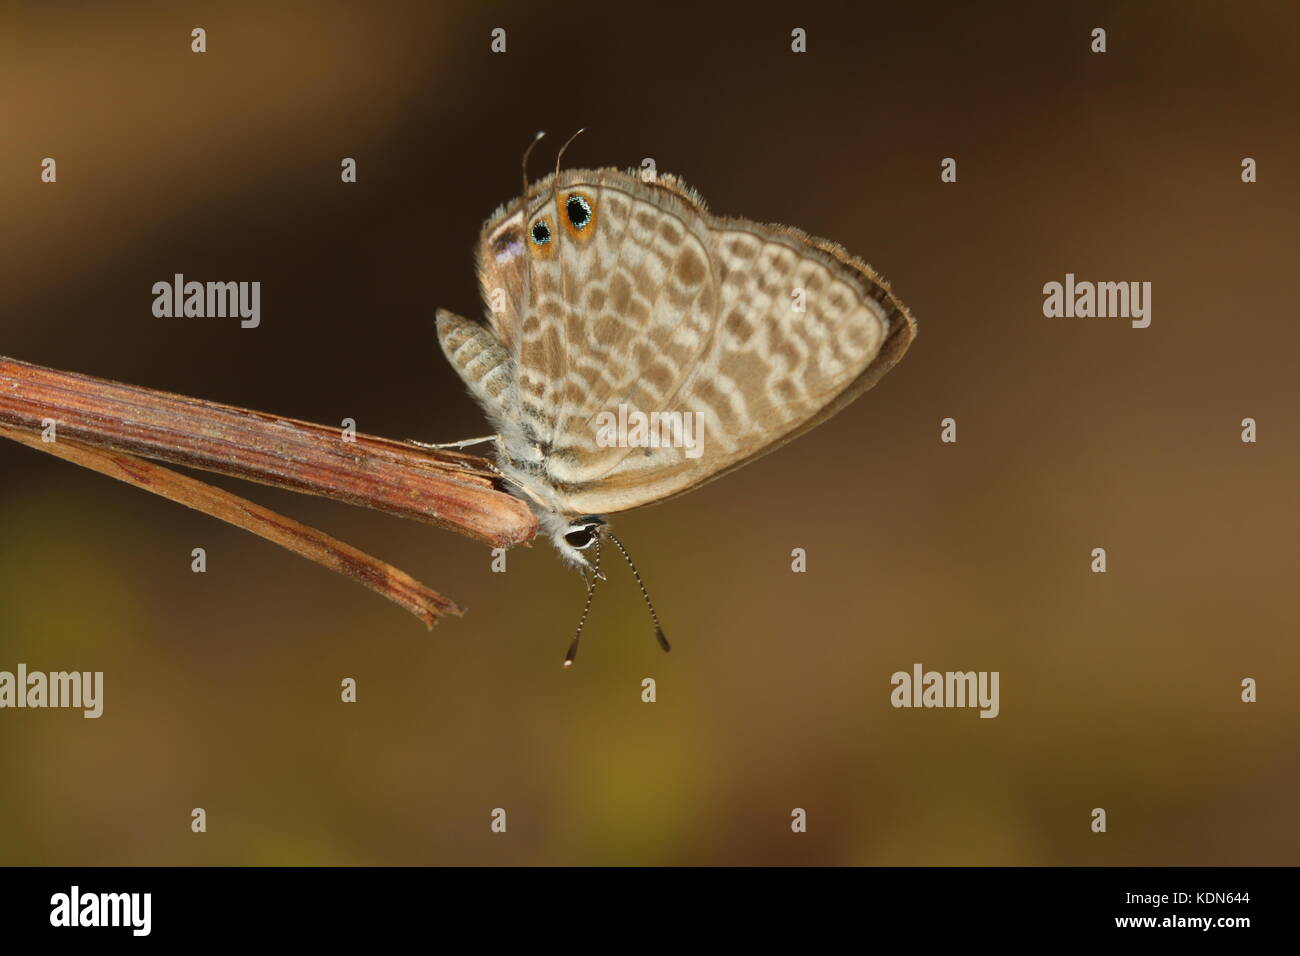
{"x": 619, "y": 311}
{"x": 654, "y": 306}
{"x": 503, "y": 271}
{"x": 483, "y": 363}
{"x": 801, "y": 329}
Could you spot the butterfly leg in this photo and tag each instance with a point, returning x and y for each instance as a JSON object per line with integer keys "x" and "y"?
{"x": 465, "y": 443}
{"x": 462, "y": 444}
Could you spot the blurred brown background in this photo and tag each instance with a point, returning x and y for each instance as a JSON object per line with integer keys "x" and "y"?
{"x": 1118, "y": 690}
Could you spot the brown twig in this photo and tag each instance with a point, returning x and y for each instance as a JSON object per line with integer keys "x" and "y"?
{"x": 387, "y": 580}
{"x": 105, "y": 425}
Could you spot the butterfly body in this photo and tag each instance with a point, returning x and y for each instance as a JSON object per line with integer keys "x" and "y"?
{"x": 611, "y": 298}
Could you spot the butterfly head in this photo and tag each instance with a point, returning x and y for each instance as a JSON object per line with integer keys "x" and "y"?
{"x": 575, "y": 538}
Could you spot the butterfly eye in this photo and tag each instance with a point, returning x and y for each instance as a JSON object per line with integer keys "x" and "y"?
{"x": 579, "y": 211}
{"x": 581, "y": 538}
{"x": 541, "y": 233}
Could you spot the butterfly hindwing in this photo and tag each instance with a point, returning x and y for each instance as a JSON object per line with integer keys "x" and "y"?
{"x": 654, "y": 306}
{"x": 618, "y": 317}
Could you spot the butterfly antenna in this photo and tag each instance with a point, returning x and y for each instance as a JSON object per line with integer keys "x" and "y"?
{"x": 523, "y": 212}
{"x": 582, "y": 621}
{"x": 523, "y": 164}
{"x": 659, "y": 631}
{"x": 560, "y": 155}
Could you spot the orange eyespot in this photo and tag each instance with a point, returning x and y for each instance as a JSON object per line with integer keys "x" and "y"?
{"x": 541, "y": 237}
{"x": 540, "y": 234}
{"x": 578, "y": 214}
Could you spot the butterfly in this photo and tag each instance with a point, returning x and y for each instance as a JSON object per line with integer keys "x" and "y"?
{"x": 606, "y": 293}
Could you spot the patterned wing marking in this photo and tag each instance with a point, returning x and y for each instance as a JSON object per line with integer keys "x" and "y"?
{"x": 617, "y": 318}
{"x": 770, "y": 372}
{"x": 663, "y": 308}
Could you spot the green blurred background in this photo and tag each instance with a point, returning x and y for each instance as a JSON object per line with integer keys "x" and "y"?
{"x": 1118, "y": 691}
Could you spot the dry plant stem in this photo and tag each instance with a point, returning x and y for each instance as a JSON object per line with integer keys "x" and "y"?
{"x": 105, "y": 426}
{"x": 426, "y": 604}
{"x": 450, "y": 489}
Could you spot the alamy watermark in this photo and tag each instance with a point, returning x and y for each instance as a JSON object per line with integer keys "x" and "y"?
{"x": 1103, "y": 300}
{"x": 209, "y": 300}
{"x": 629, "y": 428}
{"x": 75, "y": 908}
{"x": 79, "y": 690}
{"x": 920, "y": 688}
